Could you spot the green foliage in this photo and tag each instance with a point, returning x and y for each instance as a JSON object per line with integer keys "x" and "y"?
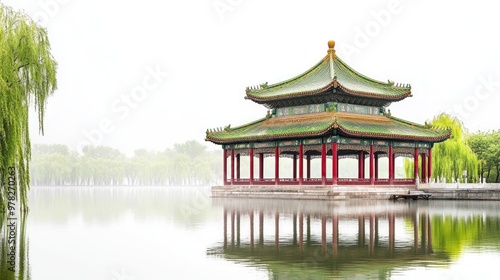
{"x": 408, "y": 166}
{"x": 451, "y": 157}
{"x": 27, "y": 77}
{"x": 189, "y": 163}
{"x": 486, "y": 145}
{"x": 453, "y": 235}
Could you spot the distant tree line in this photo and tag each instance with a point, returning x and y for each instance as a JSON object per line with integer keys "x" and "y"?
{"x": 486, "y": 145}
{"x": 189, "y": 163}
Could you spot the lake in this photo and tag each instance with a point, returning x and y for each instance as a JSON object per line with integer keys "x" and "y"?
{"x": 119, "y": 233}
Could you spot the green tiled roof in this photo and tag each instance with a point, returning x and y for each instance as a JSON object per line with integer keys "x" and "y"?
{"x": 330, "y": 72}
{"x": 322, "y": 124}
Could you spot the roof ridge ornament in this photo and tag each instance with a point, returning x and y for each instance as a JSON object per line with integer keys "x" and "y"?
{"x": 331, "y": 47}
{"x": 331, "y": 52}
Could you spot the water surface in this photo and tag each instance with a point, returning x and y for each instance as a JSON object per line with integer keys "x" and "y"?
{"x": 181, "y": 233}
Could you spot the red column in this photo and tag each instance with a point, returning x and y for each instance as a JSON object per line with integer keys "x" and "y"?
{"x": 415, "y": 164}
{"x": 323, "y": 164}
{"x": 361, "y": 165}
{"x": 391, "y": 165}
{"x": 301, "y": 231}
{"x": 276, "y": 165}
{"x": 323, "y": 234}
{"x": 392, "y": 231}
{"x": 301, "y": 164}
{"x": 261, "y": 166}
{"x": 376, "y": 167}
{"x": 277, "y": 230}
{"x": 232, "y": 166}
{"x": 429, "y": 165}
{"x": 224, "y": 167}
{"x": 372, "y": 166}
{"x": 225, "y": 227}
{"x": 424, "y": 168}
{"x": 335, "y": 163}
{"x": 308, "y": 157}
{"x": 294, "y": 171}
{"x": 238, "y": 157}
{"x": 251, "y": 166}
{"x": 251, "y": 229}
{"x": 335, "y": 234}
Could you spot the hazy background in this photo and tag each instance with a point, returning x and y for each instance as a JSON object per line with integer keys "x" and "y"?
{"x": 211, "y": 50}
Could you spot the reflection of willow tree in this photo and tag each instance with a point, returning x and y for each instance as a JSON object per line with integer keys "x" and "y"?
{"x": 189, "y": 163}
{"x": 22, "y": 268}
{"x": 453, "y": 235}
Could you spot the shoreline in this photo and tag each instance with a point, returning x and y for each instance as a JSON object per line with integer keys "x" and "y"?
{"x": 437, "y": 191}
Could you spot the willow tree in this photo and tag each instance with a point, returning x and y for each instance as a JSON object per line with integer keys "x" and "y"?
{"x": 27, "y": 78}
{"x": 453, "y": 157}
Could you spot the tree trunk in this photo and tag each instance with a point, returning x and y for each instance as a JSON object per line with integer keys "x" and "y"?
{"x": 482, "y": 172}
{"x": 498, "y": 173}
{"x": 488, "y": 174}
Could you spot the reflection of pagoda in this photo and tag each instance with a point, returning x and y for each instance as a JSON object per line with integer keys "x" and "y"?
{"x": 329, "y": 111}
{"x": 306, "y": 238}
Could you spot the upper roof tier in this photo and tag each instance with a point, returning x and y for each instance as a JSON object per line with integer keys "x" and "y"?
{"x": 331, "y": 79}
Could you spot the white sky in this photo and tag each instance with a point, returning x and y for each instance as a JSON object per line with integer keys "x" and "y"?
{"x": 106, "y": 50}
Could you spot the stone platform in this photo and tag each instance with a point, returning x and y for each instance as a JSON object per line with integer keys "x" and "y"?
{"x": 438, "y": 192}
{"x": 310, "y": 192}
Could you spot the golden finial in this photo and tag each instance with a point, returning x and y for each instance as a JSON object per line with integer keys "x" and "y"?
{"x": 331, "y": 44}
{"x": 331, "y": 47}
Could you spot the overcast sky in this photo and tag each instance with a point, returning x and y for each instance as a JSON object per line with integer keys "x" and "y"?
{"x": 148, "y": 74}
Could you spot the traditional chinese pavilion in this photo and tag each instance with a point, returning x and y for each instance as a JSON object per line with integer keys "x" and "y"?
{"x": 330, "y": 112}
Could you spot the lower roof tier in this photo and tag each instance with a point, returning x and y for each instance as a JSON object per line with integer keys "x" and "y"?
{"x": 326, "y": 124}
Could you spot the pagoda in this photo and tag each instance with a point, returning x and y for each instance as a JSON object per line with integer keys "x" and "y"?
{"x": 330, "y": 112}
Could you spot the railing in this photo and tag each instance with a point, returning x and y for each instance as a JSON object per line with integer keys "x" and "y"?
{"x": 353, "y": 181}
{"x": 403, "y": 182}
{"x": 381, "y": 181}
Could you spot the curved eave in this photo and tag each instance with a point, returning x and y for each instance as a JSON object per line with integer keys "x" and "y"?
{"x": 389, "y": 97}
{"x": 353, "y": 133}
{"x": 324, "y": 90}
{"x": 263, "y": 99}
{"x": 281, "y": 136}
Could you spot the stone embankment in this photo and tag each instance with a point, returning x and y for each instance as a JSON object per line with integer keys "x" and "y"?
{"x": 438, "y": 191}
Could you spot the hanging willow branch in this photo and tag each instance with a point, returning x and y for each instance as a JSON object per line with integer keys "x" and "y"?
{"x": 27, "y": 78}
{"x": 452, "y": 157}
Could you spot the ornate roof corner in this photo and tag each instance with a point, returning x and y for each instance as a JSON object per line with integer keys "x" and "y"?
{"x": 391, "y": 83}
{"x": 227, "y": 128}
{"x": 264, "y": 85}
{"x": 268, "y": 115}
